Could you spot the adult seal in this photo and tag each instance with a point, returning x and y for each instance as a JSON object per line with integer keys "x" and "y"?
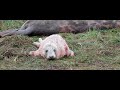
{"x": 49, "y": 27}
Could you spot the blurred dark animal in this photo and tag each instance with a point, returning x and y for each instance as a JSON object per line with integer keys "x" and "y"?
{"x": 49, "y": 27}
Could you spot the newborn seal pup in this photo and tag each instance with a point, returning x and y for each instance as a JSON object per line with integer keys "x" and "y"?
{"x": 52, "y": 47}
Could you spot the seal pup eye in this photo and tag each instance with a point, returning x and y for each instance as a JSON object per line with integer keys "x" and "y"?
{"x": 46, "y": 51}
{"x": 54, "y": 50}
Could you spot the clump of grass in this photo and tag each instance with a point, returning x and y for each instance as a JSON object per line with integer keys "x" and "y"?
{"x": 11, "y": 24}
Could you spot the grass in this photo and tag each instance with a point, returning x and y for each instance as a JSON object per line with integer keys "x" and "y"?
{"x": 94, "y": 50}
